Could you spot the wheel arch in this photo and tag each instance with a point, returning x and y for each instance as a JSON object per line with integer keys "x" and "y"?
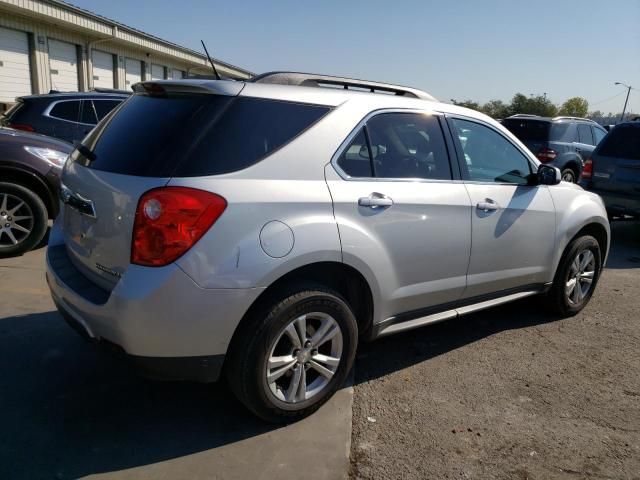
{"x": 344, "y": 279}
{"x": 34, "y": 182}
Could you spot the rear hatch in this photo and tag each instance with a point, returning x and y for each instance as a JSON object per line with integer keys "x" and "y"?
{"x": 166, "y": 129}
{"x": 616, "y": 161}
{"x": 135, "y": 148}
{"x": 539, "y": 134}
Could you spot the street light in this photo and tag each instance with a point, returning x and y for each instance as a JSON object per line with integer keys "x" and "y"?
{"x": 624, "y": 109}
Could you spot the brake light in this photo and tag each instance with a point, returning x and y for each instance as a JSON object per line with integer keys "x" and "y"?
{"x": 547, "y": 155}
{"x": 22, "y": 126}
{"x": 587, "y": 171}
{"x": 169, "y": 221}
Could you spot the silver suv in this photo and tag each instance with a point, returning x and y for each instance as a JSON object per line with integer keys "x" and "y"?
{"x": 260, "y": 229}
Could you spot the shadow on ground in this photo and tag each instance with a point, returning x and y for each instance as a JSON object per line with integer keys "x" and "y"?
{"x": 67, "y": 411}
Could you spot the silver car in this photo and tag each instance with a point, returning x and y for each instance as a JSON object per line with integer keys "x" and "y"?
{"x": 260, "y": 229}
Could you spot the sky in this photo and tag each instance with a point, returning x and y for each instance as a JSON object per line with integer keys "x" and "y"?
{"x": 461, "y": 49}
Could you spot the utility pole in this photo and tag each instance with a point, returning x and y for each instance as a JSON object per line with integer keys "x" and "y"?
{"x": 624, "y": 109}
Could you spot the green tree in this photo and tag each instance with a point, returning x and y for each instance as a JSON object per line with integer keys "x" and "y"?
{"x": 466, "y": 103}
{"x": 496, "y": 109}
{"x": 575, "y": 107}
{"x": 535, "y": 105}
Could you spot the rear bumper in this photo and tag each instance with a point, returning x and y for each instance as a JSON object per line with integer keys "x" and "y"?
{"x": 158, "y": 317}
{"x": 617, "y": 204}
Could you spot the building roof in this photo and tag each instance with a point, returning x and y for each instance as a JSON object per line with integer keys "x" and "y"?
{"x": 39, "y": 7}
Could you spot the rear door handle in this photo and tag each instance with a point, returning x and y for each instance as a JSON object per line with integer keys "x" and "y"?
{"x": 375, "y": 200}
{"x": 487, "y": 206}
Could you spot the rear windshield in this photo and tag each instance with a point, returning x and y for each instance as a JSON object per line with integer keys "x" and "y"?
{"x": 193, "y": 135}
{"x": 622, "y": 142}
{"x": 540, "y": 130}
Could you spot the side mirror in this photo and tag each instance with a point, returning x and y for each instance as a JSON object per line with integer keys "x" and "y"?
{"x": 548, "y": 175}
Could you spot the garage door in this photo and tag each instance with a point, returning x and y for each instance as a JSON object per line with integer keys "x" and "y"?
{"x": 133, "y": 71}
{"x": 177, "y": 74}
{"x": 157, "y": 72}
{"x": 63, "y": 64}
{"x": 15, "y": 74}
{"x": 103, "y": 76}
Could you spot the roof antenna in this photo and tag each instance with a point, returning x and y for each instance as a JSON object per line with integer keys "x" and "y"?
{"x": 210, "y": 61}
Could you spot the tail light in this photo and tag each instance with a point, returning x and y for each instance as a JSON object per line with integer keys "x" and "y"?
{"x": 547, "y": 155}
{"x": 22, "y": 126}
{"x": 169, "y": 221}
{"x": 587, "y": 171}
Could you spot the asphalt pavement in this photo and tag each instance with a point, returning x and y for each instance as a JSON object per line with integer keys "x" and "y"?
{"x": 68, "y": 411}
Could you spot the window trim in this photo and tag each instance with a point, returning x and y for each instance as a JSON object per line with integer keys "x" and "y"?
{"x": 533, "y": 164}
{"x": 361, "y": 126}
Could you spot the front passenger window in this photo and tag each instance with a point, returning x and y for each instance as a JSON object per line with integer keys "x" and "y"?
{"x": 490, "y": 157}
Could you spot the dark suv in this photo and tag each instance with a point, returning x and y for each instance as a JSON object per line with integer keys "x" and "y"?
{"x": 30, "y": 169}
{"x": 613, "y": 171}
{"x": 67, "y": 116}
{"x": 564, "y": 142}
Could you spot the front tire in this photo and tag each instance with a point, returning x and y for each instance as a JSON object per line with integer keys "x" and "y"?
{"x": 23, "y": 219}
{"x": 293, "y": 355}
{"x": 577, "y": 276}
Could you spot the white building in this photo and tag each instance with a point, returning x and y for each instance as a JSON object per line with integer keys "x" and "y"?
{"x": 52, "y": 45}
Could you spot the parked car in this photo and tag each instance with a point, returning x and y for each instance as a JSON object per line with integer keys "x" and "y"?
{"x": 67, "y": 116}
{"x": 30, "y": 168}
{"x": 613, "y": 171}
{"x": 267, "y": 225}
{"x": 564, "y": 142}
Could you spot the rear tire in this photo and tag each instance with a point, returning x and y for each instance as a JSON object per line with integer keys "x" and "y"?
{"x": 23, "y": 219}
{"x": 275, "y": 360}
{"x": 576, "y": 277}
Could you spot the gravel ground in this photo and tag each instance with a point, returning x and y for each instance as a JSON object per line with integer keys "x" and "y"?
{"x": 509, "y": 392}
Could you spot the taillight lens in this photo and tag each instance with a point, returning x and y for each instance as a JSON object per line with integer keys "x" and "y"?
{"x": 169, "y": 221}
{"x": 587, "y": 171}
{"x": 22, "y": 126}
{"x": 547, "y": 155}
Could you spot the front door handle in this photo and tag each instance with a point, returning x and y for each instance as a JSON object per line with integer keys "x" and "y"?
{"x": 375, "y": 200}
{"x": 487, "y": 206}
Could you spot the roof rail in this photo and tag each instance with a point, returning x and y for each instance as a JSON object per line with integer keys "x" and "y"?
{"x": 327, "y": 81}
{"x": 523, "y": 115}
{"x": 562, "y": 117}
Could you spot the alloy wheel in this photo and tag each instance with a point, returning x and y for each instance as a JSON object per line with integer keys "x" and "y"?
{"x": 16, "y": 220}
{"x": 580, "y": 278}
{"x": 568, "y": 176}
{"x": 304, "y": 357}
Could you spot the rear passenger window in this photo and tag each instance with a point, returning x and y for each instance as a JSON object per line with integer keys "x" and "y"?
{"x": 66, "y": 110}
{"x": 104, "y": 106}
{"x": 598, "y": 134}
{"x": 355, "y": 160}
{"x": 88, "y": 114}
{"x": 584, "y": 132}
{"x": 408, "y": 145}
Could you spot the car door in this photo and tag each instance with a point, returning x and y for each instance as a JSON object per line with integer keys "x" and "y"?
{"x": 401, "y": 216}
{"x": 512, "y": 222}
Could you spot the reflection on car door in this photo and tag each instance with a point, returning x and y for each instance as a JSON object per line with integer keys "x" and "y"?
{"x": 392, "y": 188}
{"x": 512, "y": 223}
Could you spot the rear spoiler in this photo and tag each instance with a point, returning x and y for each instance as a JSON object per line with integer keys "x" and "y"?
{"x": 214, "y": 87}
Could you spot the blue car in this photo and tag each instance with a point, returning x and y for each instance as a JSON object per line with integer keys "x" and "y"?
{"x": 613, "y": 171}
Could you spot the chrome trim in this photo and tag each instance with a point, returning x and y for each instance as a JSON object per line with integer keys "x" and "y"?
{"x": 452, "y": 313}
{"x": 77, "y": 201}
